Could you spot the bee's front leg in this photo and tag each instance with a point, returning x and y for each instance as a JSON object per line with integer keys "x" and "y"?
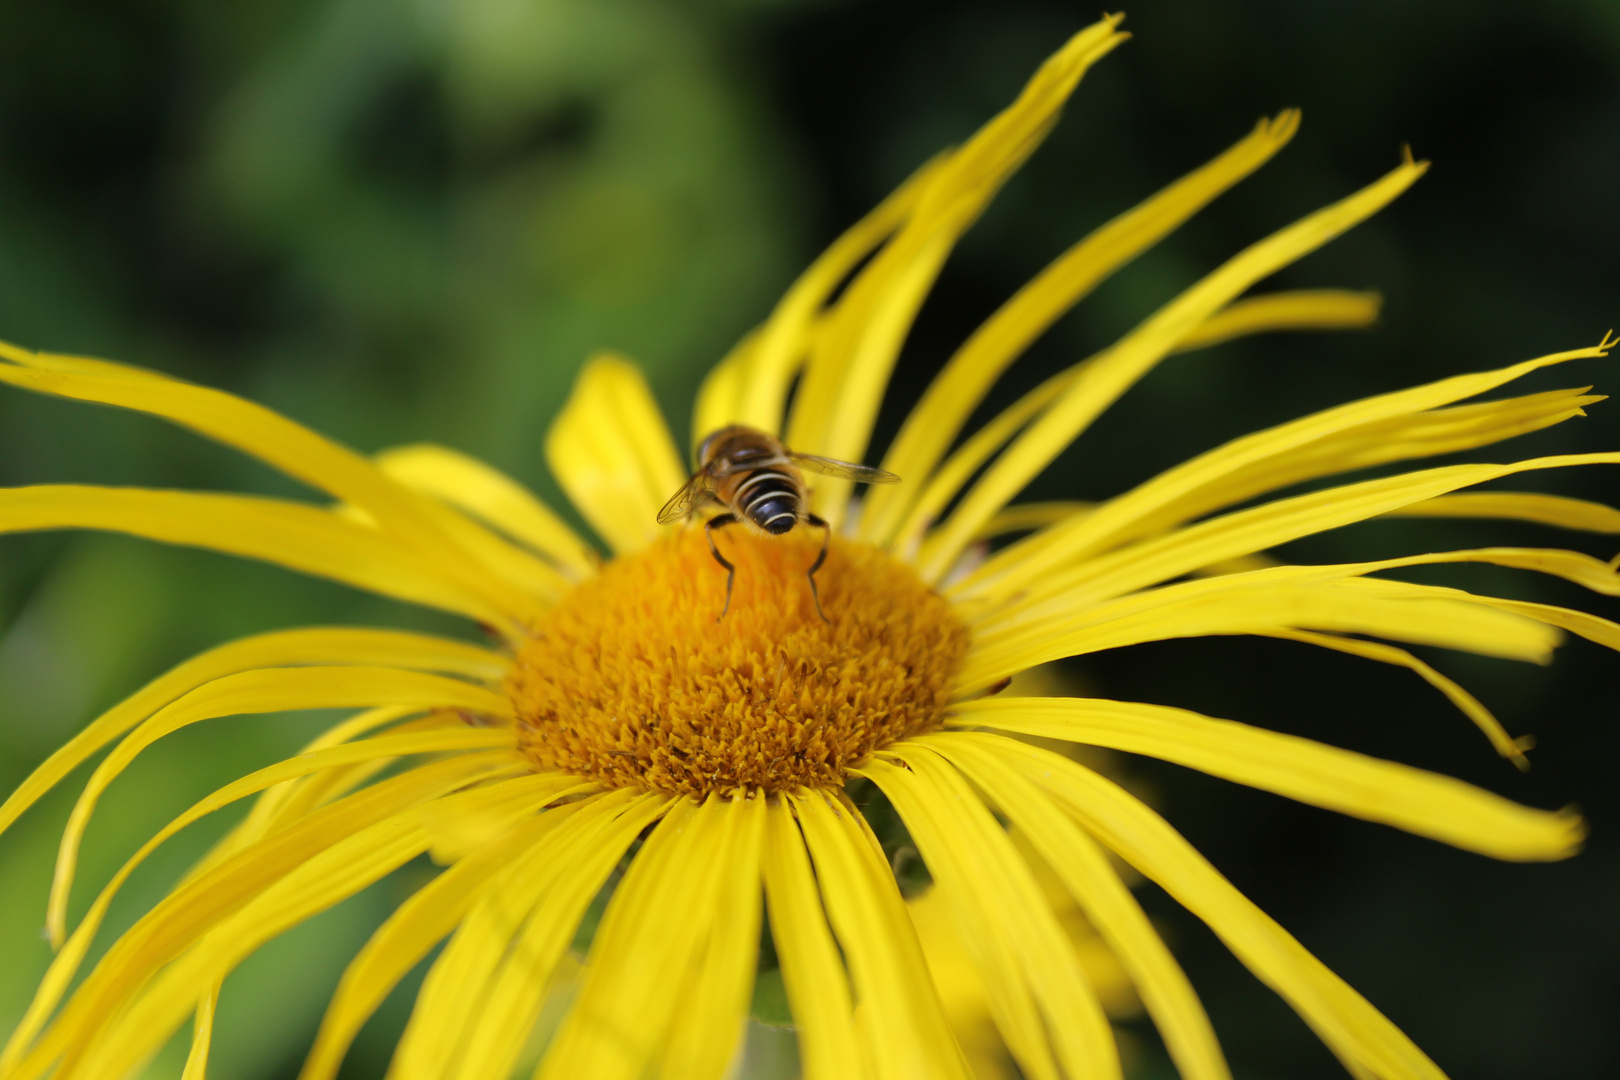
{"x": 720, "y": 521}
{"x": 826, "y": 540}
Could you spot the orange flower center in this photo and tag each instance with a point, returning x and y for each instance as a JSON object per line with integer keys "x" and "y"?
{"x": 632, "y": 681}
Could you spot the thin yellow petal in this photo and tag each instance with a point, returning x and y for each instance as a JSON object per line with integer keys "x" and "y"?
{"x": 405, "y": 516}
{"x": 277, "y": 800}
{"x": 1305, "y": 309}
{"x": 898, "y": 1015}
{"x": 1388, "y": 427}
{"x": 427, "y": 916}
{"x": 448, "y": 1004}
{"x": 1107, "y": 903}
{"x": 1134, "y": 355}
{"x": 189, "y": 910}
{"x": 1420, "y": 802}
{"x": 1259, "y": 601}
{"x": 1046, "y": 1009}
{"x": 651, "y": 936}
{"x": 966, "y": 460}
{"x": 715, "y": 1006}
{"x": 514, "y": 568}
{"x": 202, "y": 1036}
{"x": 65, "y": 964}
{"x": 1366, "y": 1042}
{"x": 1206, "y": 484}
{"x": 283, "y": 648}
{"x": 259, "y": 692}
{"x": 613, "y": 455}
{"x": 1024, "y": 517}
{"x": 962, "y": 383}
{"x": 719, "y": 401}
{"x": 1556, "y": 510}
{"x": 490, "y": 495}
{"x": 758, "y": 394}
{"x": 838, "y": 397}
{"x": 475, "y": 1018}
{"x": 812, "y": 969}
{"x": 1259, "y": 528}
{"x": 306, "y": 538}
{"x": 1505, "y": 744}
{"x": 924, "y": 502}
{"x": 322, "y": 880}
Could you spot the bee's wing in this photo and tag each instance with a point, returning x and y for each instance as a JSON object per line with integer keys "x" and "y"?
{"x": 693, "y": 494}
{"x": 847, "y": 469}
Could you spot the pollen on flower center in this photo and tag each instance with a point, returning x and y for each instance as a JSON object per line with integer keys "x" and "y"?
{"x": 630, "y": 680}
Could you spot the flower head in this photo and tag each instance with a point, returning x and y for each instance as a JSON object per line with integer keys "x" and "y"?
{"x": 617, "y": 739}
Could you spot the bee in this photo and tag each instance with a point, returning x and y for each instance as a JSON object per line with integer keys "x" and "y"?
{"x": 757, "y": 481}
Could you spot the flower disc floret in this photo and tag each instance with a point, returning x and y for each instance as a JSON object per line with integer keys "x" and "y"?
{"x": 632, "y": 681}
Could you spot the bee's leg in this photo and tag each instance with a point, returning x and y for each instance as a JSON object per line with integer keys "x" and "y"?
{"x": 826, "y": 539}
{"x": 720, "y": 521}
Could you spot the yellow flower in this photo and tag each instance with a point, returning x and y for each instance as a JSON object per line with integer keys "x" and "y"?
{"x": 616, "y": 725}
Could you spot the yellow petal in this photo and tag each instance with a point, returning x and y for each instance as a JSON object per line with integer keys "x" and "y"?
{"x": 447, "y": 1006}
{"x": 1505, "y": 744}
{"x": 1387, "y": 427}
{"x": 898, "y": 1015}
{"x": 283, "y": 648}
{"x": 1401, "y": 437}
{"x": 277, "y": 800}
{"x": 253, "y": 429}
{"x": 1046, "y": 1009}
{"x": 526, "y": 929}
{"x": 1107, "y": 903}
{"x": 1259, "y": 528}
{"x": 426, "y": 917}
{"x": 305, "y": 538}
{"x": 71, "y": 954}
{"x": 1259, "y": 601}
{"x": 715, "y": 1001}
{"x": 651, "y": 936}
{"x": 1420, "y": 802}
{"x": 962, "y": 383}
{"x": 966, "y": 460}
{"x": 322, "y": 880}
{"x": 190, "y": 909}
{"x": 260, "y": 692}
{"x": 812, "y": 969}
{"x": 844, "y": 380}
{"x": 719, "y": 401}
{"x": 922, "y": 503}
{"x": 1363, "y": 1039}
{"x": 1304, "y": 309}
{"x": 1557, "y": 510}
{"x": 491, "y": 496}
{"x": 1025, "y": 517}
{"x": 613, "y": 455}
{"x": 1134, "y": 355}
{"x": 754, "y": 392}
{"x": 202, "y": 1035}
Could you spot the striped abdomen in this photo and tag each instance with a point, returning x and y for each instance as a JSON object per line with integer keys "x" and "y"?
{"x": 770, "y": 498}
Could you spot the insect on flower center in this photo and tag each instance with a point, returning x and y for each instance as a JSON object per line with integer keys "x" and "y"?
{"x": 632, "y": 681}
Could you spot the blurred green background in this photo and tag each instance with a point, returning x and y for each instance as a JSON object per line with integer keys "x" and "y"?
{"x": 401, "y": 220}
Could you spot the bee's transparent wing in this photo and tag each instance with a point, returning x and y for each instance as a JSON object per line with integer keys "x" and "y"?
{"x": 693, "y": 495}
{"x": 864, "y": 474}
